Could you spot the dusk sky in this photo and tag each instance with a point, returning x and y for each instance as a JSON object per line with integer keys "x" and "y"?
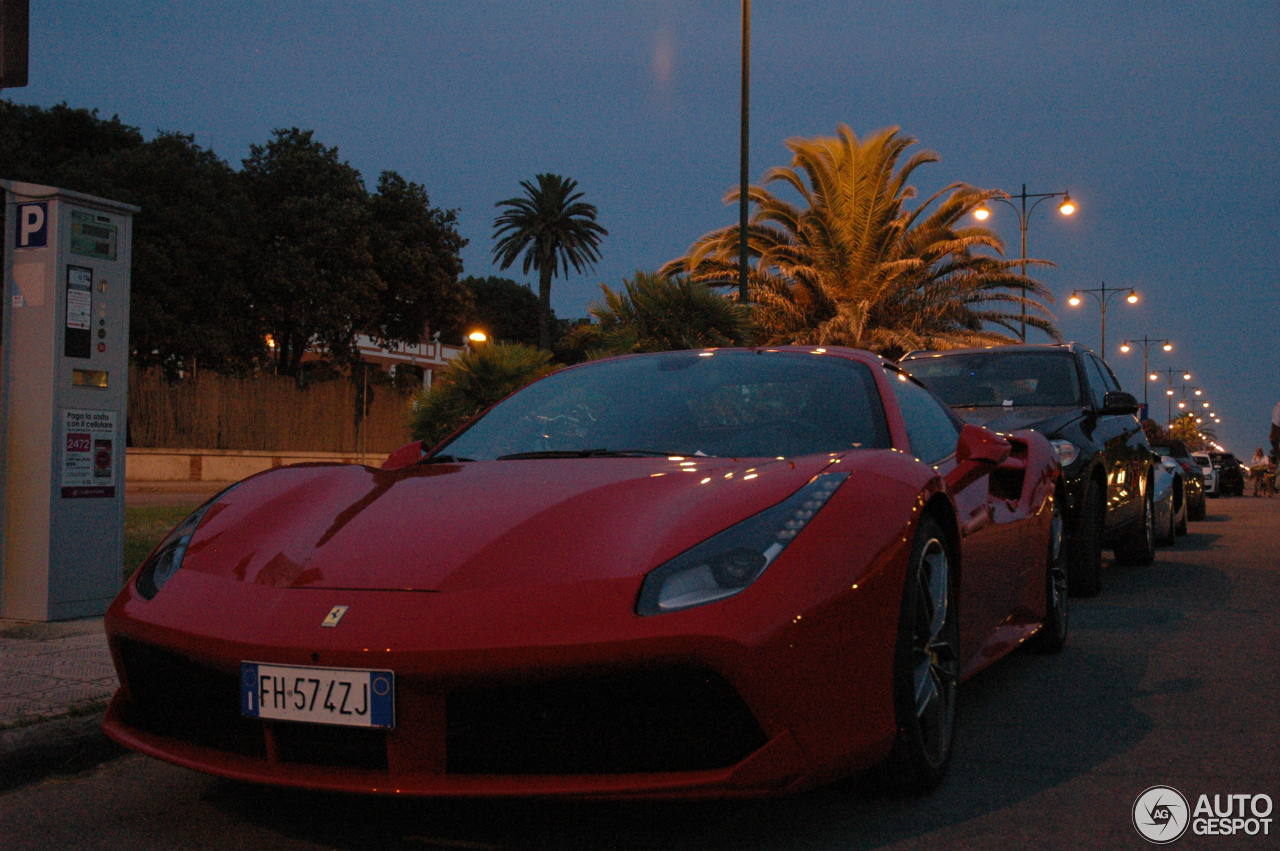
{"x": 1161, "y": 118}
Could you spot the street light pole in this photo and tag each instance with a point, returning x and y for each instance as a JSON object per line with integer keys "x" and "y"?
{"x": 1102, "y": 295}
{"x": 1146, "y": 347}
{"x": 1186, "y": 376}
{"x": 1067, "y": 207}
{"x": 743, "y": 295}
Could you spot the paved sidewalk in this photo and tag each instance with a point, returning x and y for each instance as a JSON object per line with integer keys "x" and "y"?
{"x": 49, "y": 670}
{"x": 55, "y": 680}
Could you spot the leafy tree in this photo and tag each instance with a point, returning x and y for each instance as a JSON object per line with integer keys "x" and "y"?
{"x": 311, "y": 271}
{"x": 470, "y": 384}
{"x": 415, "y": 249}
{"x": 52, "y": 146}
{"x": 1153, "y": 431}
{"x": 554, "y": 230}
{"x": 189, "y": 304}
{"x": 652, "y": 313}
{"x": 853, "y": 265}
{"x": 506, "y": 310}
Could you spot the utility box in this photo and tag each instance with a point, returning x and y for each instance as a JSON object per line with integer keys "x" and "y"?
{"x": 63, "y": 402}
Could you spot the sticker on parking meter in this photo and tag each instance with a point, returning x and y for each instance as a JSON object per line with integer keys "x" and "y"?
{"x": 88, "y": 454}
{"x": 77, "y": 337}
{"x": 79, "y": 297}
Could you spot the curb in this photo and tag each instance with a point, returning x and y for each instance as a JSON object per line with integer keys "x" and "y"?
{"x": 60, "y": 746}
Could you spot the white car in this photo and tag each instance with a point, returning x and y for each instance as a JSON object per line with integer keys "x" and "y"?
{"x": 1210, "y": 474}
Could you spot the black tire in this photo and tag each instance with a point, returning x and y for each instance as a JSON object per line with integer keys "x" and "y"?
{"x": 1137, "y": 547}
{"x": 1052, "y": 635}
{"x": 1181, "y": 528}
{"x": 1169, "y": 535}
{"x": 1198, "y": 510}
{"x": 926, "y": 667}
{"x": 1084, "y": 570}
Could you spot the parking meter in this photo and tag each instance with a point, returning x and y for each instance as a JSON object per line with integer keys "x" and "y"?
{"x": 63, "y": 402}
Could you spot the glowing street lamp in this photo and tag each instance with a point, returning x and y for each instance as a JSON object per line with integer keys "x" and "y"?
{"x": 1186, "y": 376}
{"x": 982, "y": 212}
{"x": 1102, "y": 295}
{"x": 478, "y": 338}
{"x": 1146, "y": 344}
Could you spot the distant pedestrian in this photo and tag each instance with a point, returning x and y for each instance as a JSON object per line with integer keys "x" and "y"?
{"x": 1262, "y": 472}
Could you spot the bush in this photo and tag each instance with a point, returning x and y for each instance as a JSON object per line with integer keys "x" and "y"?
{"x": 472, "y": 383}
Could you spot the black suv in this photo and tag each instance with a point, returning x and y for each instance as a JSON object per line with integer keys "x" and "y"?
{"x": 1230, "y": 474}
{"x": 1065, "y": 392}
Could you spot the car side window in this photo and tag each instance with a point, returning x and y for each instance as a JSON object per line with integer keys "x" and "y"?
{"x": 1108, "y": 377}
{"x": 1097, "y": 387}
{"x": 931, "y": 427}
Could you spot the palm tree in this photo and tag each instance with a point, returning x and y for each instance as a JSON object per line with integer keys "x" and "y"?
{"x": 1195, "y": 435}
{"x": 854, "y": 266}
{"x": 653, "y": 313}
{"x": 554, "y": 229}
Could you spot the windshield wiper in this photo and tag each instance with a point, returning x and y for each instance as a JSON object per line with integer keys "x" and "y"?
{"x": 444, "y": 459}
{"x": 587, "y": 453}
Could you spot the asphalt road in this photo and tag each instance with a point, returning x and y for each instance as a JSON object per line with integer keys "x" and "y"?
{"x": 1170, "y": 678}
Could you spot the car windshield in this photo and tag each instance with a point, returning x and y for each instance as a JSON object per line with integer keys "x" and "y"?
{"x": 738, "y": 404}
{"x": 999, "y": 379}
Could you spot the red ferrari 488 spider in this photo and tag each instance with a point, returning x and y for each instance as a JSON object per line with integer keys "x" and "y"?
{"x": 717, "y": 572}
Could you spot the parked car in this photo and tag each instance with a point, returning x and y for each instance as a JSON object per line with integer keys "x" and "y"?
{"x": 721, "y": 572}
{"x": 1170, "y": 501}
{"x": 1209, "y": 471}
{"x": 1193, "y": 475}
{"x": 1231, "y": 474}
{"x": 1067, "y": 393}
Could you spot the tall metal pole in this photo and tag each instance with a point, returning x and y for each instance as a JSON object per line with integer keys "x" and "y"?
{"x": 1104, "y": 321}
{"x": 1022, "y": 224}
{"x": 743, "y": 295}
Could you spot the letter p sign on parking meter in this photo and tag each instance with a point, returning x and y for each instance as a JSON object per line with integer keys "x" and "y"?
{"x": 33, "y": 225}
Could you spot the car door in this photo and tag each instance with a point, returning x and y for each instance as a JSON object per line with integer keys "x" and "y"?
{"x": 989, "y": 548}
{"x": 1118, "y": 435}
{"x": 1137, "y": 450}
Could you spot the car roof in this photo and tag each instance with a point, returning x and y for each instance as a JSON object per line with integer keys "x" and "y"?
{"x": 1016, "y": 347}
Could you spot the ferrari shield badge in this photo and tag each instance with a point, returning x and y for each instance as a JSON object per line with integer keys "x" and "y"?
{"x": 335, "y": 615}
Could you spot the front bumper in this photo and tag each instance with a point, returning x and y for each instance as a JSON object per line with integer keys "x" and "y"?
{"x": 723, "y": 701}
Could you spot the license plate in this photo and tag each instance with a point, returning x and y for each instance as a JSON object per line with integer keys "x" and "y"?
{"x": 351, "y": 697}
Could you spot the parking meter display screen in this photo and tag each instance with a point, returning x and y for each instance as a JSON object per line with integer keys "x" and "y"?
{"x": 93, "y": 235}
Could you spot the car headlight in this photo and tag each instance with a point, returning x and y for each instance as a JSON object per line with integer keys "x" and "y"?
{"x": 1067, "y": 451}
{"x": 729, "y": 561}
{"x": 166, "y": 559}
{"x": 1169, "y": 464}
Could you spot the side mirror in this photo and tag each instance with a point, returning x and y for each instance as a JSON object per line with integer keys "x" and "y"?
{"x": 404, "y": 456}
{"x": 1119, "y": 402}
{"x": 982, "y": 446}
{"x": 977, "y": 451}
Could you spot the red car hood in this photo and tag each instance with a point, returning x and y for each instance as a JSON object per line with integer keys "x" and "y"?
{"x": 447, "y": 527}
